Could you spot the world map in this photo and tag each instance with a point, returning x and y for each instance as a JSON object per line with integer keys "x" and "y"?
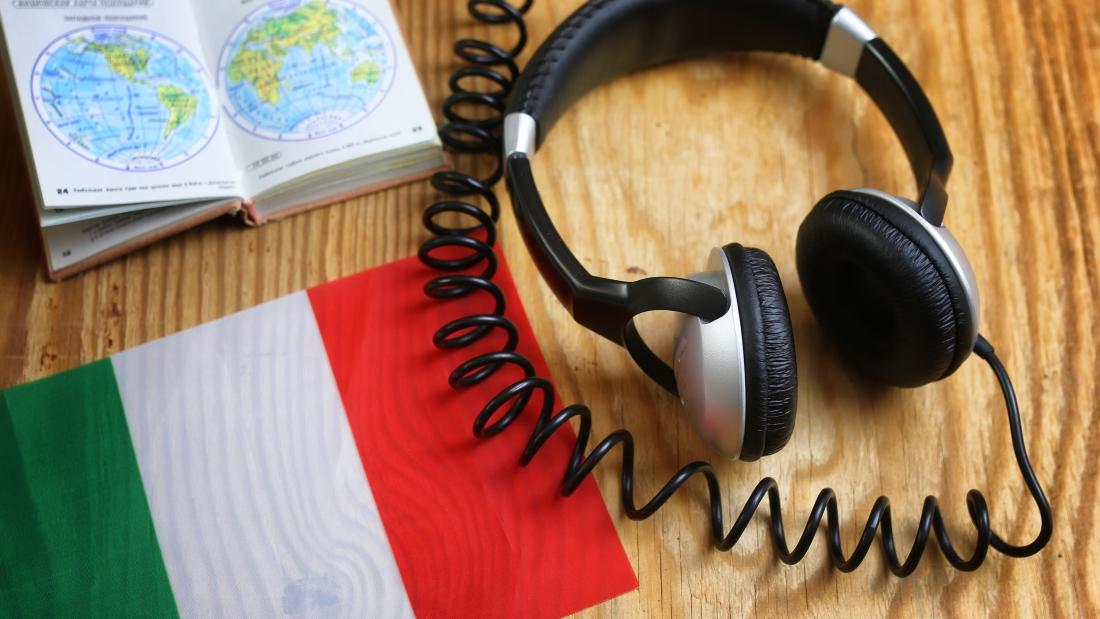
{"x": 304, "y": 70}
{"x": 124, "y": 97}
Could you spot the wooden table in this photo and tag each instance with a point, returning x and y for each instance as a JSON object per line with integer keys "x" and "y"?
{"x": 702, "y": 154}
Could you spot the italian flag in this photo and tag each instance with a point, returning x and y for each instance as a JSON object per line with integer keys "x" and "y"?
{"x": 302, "y": 458}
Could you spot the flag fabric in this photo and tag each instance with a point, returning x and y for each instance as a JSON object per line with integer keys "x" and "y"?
{"x": 302, "y": 458}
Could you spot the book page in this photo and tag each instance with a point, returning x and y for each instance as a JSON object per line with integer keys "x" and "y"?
{"x": 72, "y": 243}
{"x": 311, "y": 84}
{"x": 116, "y": 102}
{"x": 61, "y": 216}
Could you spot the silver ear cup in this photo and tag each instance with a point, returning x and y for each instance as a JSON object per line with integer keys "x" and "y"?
{"x": 709, "y": 363}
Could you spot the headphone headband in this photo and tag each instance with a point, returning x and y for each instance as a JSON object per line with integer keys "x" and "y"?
{"x": 605, "y": 39}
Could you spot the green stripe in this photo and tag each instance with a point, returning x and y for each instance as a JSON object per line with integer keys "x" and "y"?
{"x": 76, "y": 535}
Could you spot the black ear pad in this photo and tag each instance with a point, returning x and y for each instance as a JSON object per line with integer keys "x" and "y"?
{"x": 771, "y": 376}
{"x": 883, "y": 290}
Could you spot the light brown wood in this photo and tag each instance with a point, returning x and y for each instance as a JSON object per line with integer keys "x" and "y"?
{"x": 711, "y": 152}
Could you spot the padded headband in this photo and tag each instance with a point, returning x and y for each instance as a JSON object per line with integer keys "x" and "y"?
{"x": 605, "y": 39}
{"x": 610, "y": 38}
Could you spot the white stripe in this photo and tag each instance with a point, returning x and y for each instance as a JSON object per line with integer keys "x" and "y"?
{"x": 259, "y": 499}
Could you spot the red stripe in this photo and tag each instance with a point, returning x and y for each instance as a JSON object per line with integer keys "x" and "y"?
{"x": 473, "y": 533}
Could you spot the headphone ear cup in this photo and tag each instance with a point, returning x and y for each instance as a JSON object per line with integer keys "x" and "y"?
{"x": 771, "y": 375}
{"x": 883, "y": 290}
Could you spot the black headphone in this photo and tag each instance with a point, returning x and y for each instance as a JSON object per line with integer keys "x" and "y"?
{"x": 883, "y": 276}
{"x": 887, "y": 282}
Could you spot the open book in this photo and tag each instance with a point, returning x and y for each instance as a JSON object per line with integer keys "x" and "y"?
{"x": 145, "y": 117}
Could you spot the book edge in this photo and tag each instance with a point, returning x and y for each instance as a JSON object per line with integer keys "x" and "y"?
{"x": 252, "y": 217}
{"x": 138, "y": 242}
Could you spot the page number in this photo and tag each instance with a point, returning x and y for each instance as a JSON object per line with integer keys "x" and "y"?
{"x": 417, "y": 129}
{"x": 62, "y": 191}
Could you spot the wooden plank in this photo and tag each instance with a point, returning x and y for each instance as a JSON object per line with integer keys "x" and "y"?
{"x": 710, "y": 152}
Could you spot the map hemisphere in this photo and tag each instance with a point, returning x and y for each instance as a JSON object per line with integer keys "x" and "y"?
{"x": 301, "y": 70}
{"x": 124, "y": 97}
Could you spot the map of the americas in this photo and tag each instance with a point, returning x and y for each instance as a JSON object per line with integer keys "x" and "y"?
{"x": 124, "y": 97}
{"x": 303, "y": 70}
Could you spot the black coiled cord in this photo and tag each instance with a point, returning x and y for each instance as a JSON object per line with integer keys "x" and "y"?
{"x": 467, "y": 248}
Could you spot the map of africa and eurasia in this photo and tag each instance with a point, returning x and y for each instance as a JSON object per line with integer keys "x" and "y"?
{"x": 299, "y": 72}
{"x": 147, "y": 116}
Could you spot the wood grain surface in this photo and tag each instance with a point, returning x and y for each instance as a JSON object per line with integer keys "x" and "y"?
{"x": 644, "y": 177}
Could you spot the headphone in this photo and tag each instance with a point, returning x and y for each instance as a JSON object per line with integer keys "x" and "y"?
{"x": 882, "y": 275}
{"x": 884, "y": 278}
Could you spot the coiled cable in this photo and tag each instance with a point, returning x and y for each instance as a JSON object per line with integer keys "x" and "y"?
{"x": 457, "y": 251}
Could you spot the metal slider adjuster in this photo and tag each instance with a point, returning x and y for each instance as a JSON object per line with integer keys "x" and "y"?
{"x": 848, "y": 35}
{"x": 519, "y": 134}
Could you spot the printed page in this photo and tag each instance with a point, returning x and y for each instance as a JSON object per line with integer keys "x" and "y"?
{"x": 71, "y": 243}
{"x": 310, "y": 84}
{"x": 116, "y": 102}
{"x": 62, "y": 216}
